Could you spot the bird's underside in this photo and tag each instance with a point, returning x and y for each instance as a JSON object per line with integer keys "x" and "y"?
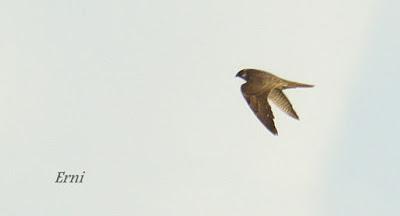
{"x": 262, "y": 87}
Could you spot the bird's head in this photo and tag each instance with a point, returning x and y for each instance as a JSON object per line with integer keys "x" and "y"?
{"x": 243, "y": 74}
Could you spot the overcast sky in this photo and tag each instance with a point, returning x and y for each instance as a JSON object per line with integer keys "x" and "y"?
{"x": 141, "y": 95}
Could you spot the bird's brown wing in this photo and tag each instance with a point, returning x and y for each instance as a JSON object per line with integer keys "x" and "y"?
{"x": 261, "y": 108}
{"x": 280, "y": 99}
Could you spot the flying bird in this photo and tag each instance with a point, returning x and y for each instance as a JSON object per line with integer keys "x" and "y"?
{"x": 262, "y": 86}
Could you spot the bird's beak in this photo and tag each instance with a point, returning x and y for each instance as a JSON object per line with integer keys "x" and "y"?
{"x": 237, "y": 74}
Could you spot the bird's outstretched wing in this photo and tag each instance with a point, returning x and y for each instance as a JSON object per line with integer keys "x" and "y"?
{"x": 261, "y": 108}
{"x": 280, "y": 99}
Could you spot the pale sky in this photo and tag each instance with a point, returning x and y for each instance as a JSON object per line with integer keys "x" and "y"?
{"x": 141, "y": 95}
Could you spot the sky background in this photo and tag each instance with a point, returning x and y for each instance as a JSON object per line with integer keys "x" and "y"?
{"x": 141, "y": 95}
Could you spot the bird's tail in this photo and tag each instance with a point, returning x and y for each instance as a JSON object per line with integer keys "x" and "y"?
{"x": 291, "y": 84}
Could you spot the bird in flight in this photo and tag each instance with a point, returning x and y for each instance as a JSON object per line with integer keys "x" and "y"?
{"x": 262, "y": 86}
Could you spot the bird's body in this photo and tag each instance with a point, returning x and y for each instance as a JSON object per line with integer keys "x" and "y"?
{"x": 262, "y": 86}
